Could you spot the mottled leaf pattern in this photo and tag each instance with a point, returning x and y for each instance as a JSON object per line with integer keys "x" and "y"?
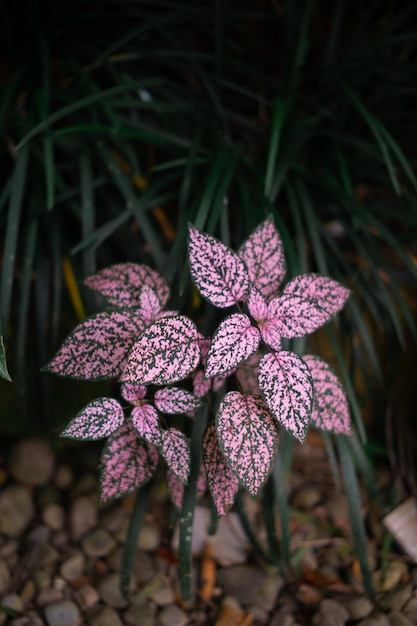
{"x": 257, "y": 305}
{"x": 271, "y": 333}
{"x": 320, "y": 290}
{"x": 248, "y": 437}
{"x": 133, "y": 393}
{"x": 127, "y": 463}
{"x": 234, "y": 341}
{"x": 145, "y": 420}
{"x": 285, "y": 383}
{"x": 166, "y": 352}
{"x": 122, "y": 284}
{"x": 99, "y": 419}
{"x": 97, "y": 348}
{"x": 201, "y": 384}
{"x": 222, "y": 482}
{"x": 330, "y": 406}
{"x": 293, "y": 316}
{"x": 174, "y": 400}
{"x": 263, "y": 254}
{"x": 149, "y": 304}
{"x": 218, "y": 273}
{"x": 176, "y": 451}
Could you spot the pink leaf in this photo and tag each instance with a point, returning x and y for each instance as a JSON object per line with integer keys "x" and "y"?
{"x": 248, "y": 436}
{"x": 263, "y": 254}
{"x": 176, "y": 487}
{"x": 293, "y": 316}
{"x": 145, "y": 420}
{"x": 166, "y": 352}
{"x": 174, "y": 400}
{"x": 218, "y": 272}
{"x": 149, "y": 305}
{"x": 234, "y": 341}
{"x": 97, "y": 348}
{"x": 322, "y": 291}
{"x": 176, "y": 452}
{"x": 247, "y": 375}
{"x": 257, "y": 306}
{"x": 122, "y": 284}
{"x": 127, "y": 463}
{"x": 222, "y": 482}
{"x": 330, "y": 406}
{"x": 99, "y": 419}
{"x": 133, "y": 393}
{"x": 201, "y": 385}
{"x": 285, "y": 382}
{"x": 271, "y": 333}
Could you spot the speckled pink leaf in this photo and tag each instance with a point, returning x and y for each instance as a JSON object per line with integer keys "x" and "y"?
{"x": 122, "y": 284}
{"x": 99, "y": 419}
{"x": 166, "y": 352}
{"x": 176, "y": 451}
{"x": 330, "y": 406}
{"x": 146, "y": 421}
{"x": 247, "y": 374}
{"x": 174, "y": 400}
{"x": 257, "y": 305}
{"x": 222, "y": 482}
{"x": 263, "y": 254}
{"x": 248, "y": 436}
{"x": 322, "y": 291}
{"x": 218, "y": 273}
{"x": 201, "y": 384}
{"x": 133, "y": 393}
{"x": 127, "y": 463}
{"x": 149, "y": 304}
{"x": 234, "y": 341}
{"x": 285, "y": 383}
{"x": 271, "y": 333}
{"x": 97, "y": 348}
{"x": 293, "y": 316}
{"x": 176, "y": 487}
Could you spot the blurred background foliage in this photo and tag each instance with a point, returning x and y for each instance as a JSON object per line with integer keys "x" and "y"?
{"x": 122, "y": 120}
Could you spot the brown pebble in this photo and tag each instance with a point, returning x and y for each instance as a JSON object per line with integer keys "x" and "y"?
{"x": 53, "y": 515}
{"x": 86, "y": 597}
{"x": 47, "y": 595}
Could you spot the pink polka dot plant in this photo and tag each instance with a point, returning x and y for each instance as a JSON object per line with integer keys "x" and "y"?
{"x": 166, "y": 367}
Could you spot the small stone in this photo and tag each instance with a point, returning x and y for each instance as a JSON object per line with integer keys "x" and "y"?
{"x": 28, "y": 591}
{"x": 332, "y": 613}
{"x": 32, "y": 462}
{"x": 53, "y": 515}
{"x": 163, "y": 595}
{"x": 13, "y": 601}
{"x": 143, "y": 614}
{"x": 48, "y": 595}
{"x": 72, "y": 566}
{"x": 114, "y": 519}
{"x": 144, "y": 567}
{"x": 172, "y": 616}
{"x": 109, "y": 589}
{"x": 83, "y": 517}
{"x": 378, "y": 620}
{"x": 98, "y": 543}
{"x": 148, "y": 539}
{"x": 4, "y": 576}
{"x": 64, "y": 613}
{"x": 104, "y": 616}
{"x": 410, "y": 609}
{"x": 86, "y": 597}
{"x": 28, "y": 620}
{"x": 399, "y": 619}
{"x": 64, "y": 477}
{"x": 9, "y": 548}
{"x": 392, "y": 576}
{"x": 359, "y": 607}
{"x": 400, "y": 597}
{"x": 306, "y": 498}
{"x": 250, "y": 585}
{"x": 16, "y": 510}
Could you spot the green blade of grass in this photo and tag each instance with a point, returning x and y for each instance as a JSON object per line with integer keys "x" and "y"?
{"x": 87, "y": 212}
{"x": 331, "y": 455}
{"x": 355, "y": 511}
{"x": 11, "y": 235}
{"x": 4, "y": 373}
{"x": 278, "y": 121}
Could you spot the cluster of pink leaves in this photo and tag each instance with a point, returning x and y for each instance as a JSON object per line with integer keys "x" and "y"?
{"x": 142, "y": 344}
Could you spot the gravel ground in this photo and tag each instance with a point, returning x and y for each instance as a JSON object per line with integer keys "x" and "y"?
{"x": 60, "y": 555}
